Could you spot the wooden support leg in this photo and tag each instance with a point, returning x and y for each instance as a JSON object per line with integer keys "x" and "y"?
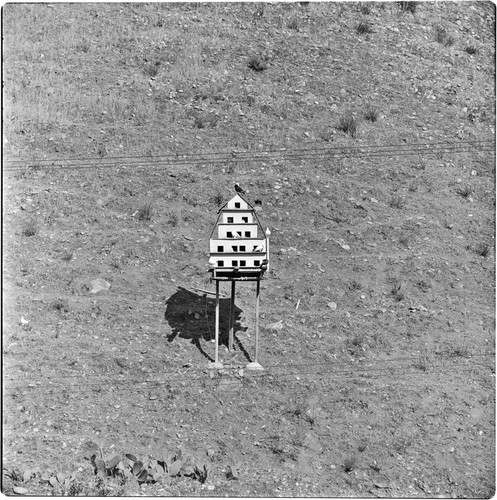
{"x": 255, "y": 364}
{"x": 216, "y": 363}
{"x": 232, "y": 316}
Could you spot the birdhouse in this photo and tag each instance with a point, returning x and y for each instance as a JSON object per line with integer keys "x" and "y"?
{"x": 239, "y": 247}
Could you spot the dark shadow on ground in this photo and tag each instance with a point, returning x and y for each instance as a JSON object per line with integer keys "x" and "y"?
{"x": 192, "y": 316}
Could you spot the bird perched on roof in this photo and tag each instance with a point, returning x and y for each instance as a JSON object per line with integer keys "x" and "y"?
{"x": 259, "y": 248}
{"x": 238, "y": 189}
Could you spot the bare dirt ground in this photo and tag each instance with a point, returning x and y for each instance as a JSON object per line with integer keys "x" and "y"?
{"x": 378, "y": 311}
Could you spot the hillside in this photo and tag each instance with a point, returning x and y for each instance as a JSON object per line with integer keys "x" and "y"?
{"x": 367, "y": 131}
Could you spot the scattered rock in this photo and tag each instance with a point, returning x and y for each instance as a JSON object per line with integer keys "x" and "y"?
{"x": 99, "y": 285}
{"x": 276, "y": 326}
{"x": 18, "y": 490}
{"x": 332, "y": 305}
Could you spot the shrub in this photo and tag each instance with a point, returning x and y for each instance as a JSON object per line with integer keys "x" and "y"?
{"x": 348, "y": 124}
{"x": 364, "y": 27}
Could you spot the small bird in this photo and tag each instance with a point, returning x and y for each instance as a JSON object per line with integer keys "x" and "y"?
{"x": 238, "y": 189}
{"x": 259, "y": 248}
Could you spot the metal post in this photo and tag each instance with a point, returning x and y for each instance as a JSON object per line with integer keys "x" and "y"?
{"x": 232, "y": 316}
{"x": 216, "y": 363}
{"x": 255, "y": 364}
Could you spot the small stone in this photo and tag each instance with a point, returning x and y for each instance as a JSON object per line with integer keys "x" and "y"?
{"x": 18, "y": 490}
{"x": 374, "y": 200}
{"x": 332, "y": 305}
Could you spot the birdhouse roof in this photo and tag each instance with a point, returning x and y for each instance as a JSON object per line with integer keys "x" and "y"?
{"x": 232, "y": 202}
{"x": 250, "y": 207}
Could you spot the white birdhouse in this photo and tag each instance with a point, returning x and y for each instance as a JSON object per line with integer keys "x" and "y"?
{"x": 239, "y": 247}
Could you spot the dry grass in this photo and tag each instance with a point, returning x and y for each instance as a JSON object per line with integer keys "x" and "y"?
{"x": 136, "y": 354}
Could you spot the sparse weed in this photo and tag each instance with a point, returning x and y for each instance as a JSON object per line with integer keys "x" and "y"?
{"x": 206, "y": 121}
{"x": 397, "y": 201}
{"x": 371, "y": 114}
{"x": 422, "y": 163}
{"x": 442, "y": 36}
{"x": 464, "y": 191}
{"x": 405, "y": 240}
{"x": 67, "y": 255}
{"x": 31, "y": 228}
{"x": 365, "y": 8}
{"x": 256, "y": 63}
{"x": 217, "y": 199}
{"x": 461, "y": 351}
{"x": 408, "y": 6}
{"x": 152, "y": 69}
{"x": 413, "y": 186}
{"x": 364, "y": 27}
{"x": 349, "y": 464}
{"x": 423, "y": 361}
{"x": 60, "y": 305}
{"x": 145, "y": 212}
{"x": 293, "y": 23}
{"x": 348, "y": 124}
{"x": 355, "y": 285}
{"x": 482, "y": 249}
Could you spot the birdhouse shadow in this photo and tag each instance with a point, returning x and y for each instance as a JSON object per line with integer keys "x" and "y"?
{"x": 192, "y": 316}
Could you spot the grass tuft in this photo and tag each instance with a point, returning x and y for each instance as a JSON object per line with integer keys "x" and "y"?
{"x": 397, "y": 292}
{"x": 348, "y": 124}
{"x": 371, "y": 114}
{"x": 465, "y": 191}
{"x": 471, "y": 50}
{"x": 364, "y": 27}
{"x": 408, "y": 6}
{"x": 31, "y": 228}
{"x": 349, "y": 464}
{"x": 145, "y": 212}
{"x": 173, "y": 217}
